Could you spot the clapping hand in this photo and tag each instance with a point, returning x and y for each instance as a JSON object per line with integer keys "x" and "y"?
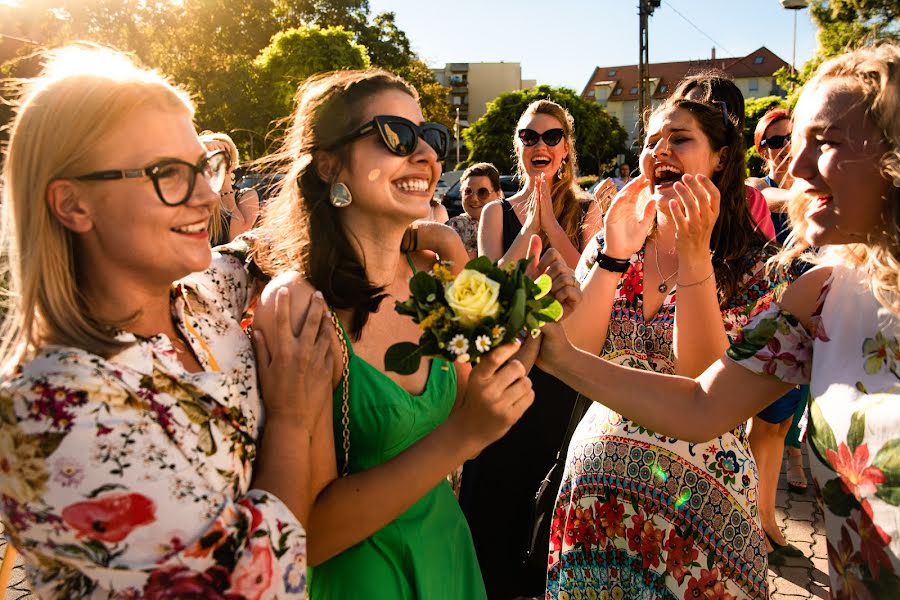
{"x": 624, "y": 229}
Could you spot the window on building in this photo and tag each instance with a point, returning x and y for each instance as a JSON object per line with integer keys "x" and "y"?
{"x": 611, "y": 73}
{"x": 663, "y": 88}
{"x": 758, "y": 60}
{"x": 754, "y": 85}
{"x": 591, "y": 93}
{"x": 457, "y": 100}
{"x": 633, "y": 90}
{"x": 618, "y": 92}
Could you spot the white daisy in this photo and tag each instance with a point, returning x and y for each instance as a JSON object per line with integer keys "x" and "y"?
{"x": 483, "y": 343}
{"x": 459, "y": 344}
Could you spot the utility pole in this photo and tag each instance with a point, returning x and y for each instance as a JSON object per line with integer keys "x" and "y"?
{"x": 456, "y": 132}
{"x": 645, "y": 9}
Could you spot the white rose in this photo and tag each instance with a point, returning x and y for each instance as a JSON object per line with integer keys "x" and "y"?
{"x": 473, "y": 296}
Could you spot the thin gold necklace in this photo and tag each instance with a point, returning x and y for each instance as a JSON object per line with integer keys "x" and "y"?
{"x": 664, "y": 286}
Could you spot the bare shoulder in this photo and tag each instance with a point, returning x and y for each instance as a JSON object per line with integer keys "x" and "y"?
{"x": 301, "y": 291}
{"x": 801, "y": 296}
{"x": 492, "y": 211}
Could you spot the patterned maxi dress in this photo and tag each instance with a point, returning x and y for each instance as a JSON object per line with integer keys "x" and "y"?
{"x": 851, "y": 359}
{"x": 642, "y": 516}
{"x": 130, "y": 477}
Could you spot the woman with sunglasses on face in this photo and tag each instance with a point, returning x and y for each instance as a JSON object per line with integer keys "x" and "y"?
{"x": 129, "y": 411}
{"x": 837, "y": 327}
{"x": 773, "y": 142}
{"x": 639, "y": 514}
{"x": 361, "y": 167}
{"x": 549, "y": 203}
{"x": 479, "y": 185}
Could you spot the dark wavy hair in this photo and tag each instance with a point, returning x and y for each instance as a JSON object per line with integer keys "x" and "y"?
{"x": 300, "y": 229}
{"x": 735, "y": 241}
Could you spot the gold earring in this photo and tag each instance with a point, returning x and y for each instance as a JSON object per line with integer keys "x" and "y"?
{"x": 340, "y": 195}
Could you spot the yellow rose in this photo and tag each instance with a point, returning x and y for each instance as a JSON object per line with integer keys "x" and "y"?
{"x": 473, "y": 297}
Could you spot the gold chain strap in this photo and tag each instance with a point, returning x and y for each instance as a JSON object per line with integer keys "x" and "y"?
{"x": 345, "y": 393}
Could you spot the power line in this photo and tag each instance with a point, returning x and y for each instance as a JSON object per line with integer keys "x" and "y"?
{"x": 691, "y": 23}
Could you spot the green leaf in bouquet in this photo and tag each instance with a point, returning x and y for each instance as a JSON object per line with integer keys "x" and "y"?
{"x": 517, "y": 312}
{"x": 552, "y": 312}
{"x": 422, "y": 285}
{"x": 544, "y": 284}
{"x": 403, "y": 358}
{"x": 407, "y": 308}
{"x": 482, "y": 264}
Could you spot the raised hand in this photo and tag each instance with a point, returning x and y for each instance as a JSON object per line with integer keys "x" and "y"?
{"x": 624, "y": 229}
{"x": 566, "y": 288}
{"x": 695, "y": 213}
{"x": 532, "y": 222}
{"x": 291, "y": 357}
{"x": 544, "y": 196}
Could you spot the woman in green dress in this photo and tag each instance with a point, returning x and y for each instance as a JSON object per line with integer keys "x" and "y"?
{"x": 361, "y": 167}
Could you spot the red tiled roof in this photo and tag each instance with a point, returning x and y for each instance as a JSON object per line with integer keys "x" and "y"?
{"x": 669, "y": 74}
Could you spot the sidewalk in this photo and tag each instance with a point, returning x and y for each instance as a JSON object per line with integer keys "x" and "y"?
{"x": 801, "y": 520}
{"x": 799, "y": 578}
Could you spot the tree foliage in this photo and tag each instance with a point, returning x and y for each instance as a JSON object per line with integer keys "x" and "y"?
{"x": 843, "y": 25}
{"x": 599, "y": 138}
{"x": 224, "y": 51}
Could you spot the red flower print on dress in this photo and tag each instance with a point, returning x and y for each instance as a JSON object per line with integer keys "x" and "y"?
{"x": 845, "y": 563}
{"x": 252, "y": 575}
{"x": 872, "y": 539}
{"x": 580, "y": 527}
{"x": 611, "y": 517}
{"x": 632, "y": 283}
{"x": 110, "y": 518}
{"x": 857, "y": 476}
{"x": 680, "y": 553}
{"x": 557, "y": 525}
{"x": 255, "y": 514}
{"x": 645, "y": 539}
{"x": 176, "y": 583}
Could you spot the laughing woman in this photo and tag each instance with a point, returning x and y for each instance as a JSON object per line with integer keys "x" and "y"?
{"x": 129, "y": 413}
{"x": 639, "y": 514}
{"x": 837, "y": 327}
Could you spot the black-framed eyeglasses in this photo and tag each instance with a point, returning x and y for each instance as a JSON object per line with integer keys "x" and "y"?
{"x": 551, "y": 137}
{"x": 173, "y": 179}
{"x": 401, "y": 136}
{"x": 481, "y": 193}
{"x": 775, "y": 142}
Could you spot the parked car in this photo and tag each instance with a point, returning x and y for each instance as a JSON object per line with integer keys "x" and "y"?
{"x": 453, "y": 198}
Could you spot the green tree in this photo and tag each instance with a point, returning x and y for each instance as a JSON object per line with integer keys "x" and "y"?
{"x": 599, "y": 138}
{"x": 843, "y": 25}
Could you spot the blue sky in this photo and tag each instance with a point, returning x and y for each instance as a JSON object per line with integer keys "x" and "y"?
{"x": 560, "y": 43}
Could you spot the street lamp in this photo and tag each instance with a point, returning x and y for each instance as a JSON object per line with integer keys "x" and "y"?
{"x": 794, "y": 5}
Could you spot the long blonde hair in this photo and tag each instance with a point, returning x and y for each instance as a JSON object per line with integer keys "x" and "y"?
{"x": 875, "y": 72}
{"x": 83, "y": 93}
{"x": 564, "y": 189}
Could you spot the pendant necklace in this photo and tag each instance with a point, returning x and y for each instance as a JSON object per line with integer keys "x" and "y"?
{"x": 664, "y": 286}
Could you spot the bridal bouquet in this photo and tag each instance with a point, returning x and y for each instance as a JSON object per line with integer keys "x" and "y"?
{"x": 462, "y": 318}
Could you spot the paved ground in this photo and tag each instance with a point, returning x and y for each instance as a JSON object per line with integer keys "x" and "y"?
{"x": 799, "y": 578}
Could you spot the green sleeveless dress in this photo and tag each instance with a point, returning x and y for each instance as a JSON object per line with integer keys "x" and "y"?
{"x": 427, "y": 551}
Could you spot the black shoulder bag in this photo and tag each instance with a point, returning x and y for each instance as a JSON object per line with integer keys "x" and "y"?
{"x": 545, "y": 497}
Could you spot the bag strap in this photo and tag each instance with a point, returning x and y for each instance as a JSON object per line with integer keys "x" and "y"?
{"x": 581, "y": 405}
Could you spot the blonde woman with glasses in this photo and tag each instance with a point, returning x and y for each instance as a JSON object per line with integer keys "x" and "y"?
{"x": 129, "y": 413}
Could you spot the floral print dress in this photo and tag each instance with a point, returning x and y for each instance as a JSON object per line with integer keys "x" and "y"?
{"x": 644, "y": 516}
{"x": 129, "y": 477}
{"x": 851, "y": 360}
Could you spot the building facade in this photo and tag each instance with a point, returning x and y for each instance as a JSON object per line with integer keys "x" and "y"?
{"x": 473, "y": 85}
{"x": 616, "y": 88}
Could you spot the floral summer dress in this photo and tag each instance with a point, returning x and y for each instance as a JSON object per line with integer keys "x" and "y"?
{"x": 129, "y": 477}
{"x": 643, "y": 516}
{"x": 851, "y": 359}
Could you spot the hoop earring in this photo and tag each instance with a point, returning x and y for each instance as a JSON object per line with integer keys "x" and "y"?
{"x": 340, "y": 195}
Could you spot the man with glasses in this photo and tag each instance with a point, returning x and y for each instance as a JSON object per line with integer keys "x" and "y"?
{"x": 479, "y": 185}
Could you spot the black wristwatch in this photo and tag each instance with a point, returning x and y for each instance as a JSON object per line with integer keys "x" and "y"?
{"x": 608, "y": 263}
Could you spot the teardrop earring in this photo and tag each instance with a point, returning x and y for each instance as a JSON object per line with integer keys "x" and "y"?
{"x": 340, "y": 195}
{"x": 561, "y": 170}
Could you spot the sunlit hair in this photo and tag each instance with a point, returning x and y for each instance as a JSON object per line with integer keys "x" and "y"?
{"x": 564, "y": 189}
{"x": 82, "y": 94}
{"x": 735, "y": 238}
{"x": 874, "y": 71}
{"x": 216, "y": 223}
{"x": 483, "y": 170}
{"x": 710, "y": 85}
{"x": 300, "y": 229}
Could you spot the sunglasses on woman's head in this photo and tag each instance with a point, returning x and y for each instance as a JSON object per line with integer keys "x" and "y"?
{"x": 775, "y": 142}
{"x": 551, "y": 137}
{"x": 401, "y": 136}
